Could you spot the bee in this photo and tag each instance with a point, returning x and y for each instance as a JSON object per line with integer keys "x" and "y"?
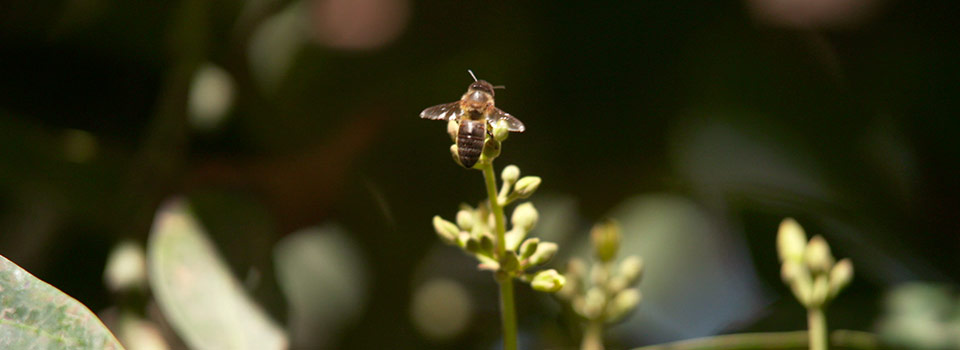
{"x": 476, "y": 114}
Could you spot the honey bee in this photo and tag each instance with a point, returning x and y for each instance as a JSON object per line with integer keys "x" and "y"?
{"x": 476, "y": 114}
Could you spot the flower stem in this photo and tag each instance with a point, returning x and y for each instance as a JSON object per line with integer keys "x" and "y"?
{"x": 507, "y": 310}
{"x": 593, "y": 336}
{"x": 817, "y": 324}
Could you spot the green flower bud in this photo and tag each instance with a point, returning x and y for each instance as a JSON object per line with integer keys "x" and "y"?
{"x": 509, "y": 261}
{"x": 631, "y": 269}
{"x": 501, "y": 130}
{"x": 465, "y": 219}
{"x": 529, "y": 247}
{"x": 840, "y": 276}
{"x": 486, "y": 244}
{"x": 606, "y": 240}
{"x": 453, "y": 128}
{"x": 473, "y": 245}
{"x": 548, "y": 281}
{"x": 510, "y": 174}
{"x": 447, "y": 231}
{"x": 817, "y": 255}
{"x": 491, "y": 148}
{"x": 593, "y": 304}
{"x": 526, "y": 186}
{"x": 513, "y": 238}
{"x": 622, "y": 304}
{"x": 545, "y": 251}
{"x": 525, "y": 216}
{"x": 819, "y": 292}
{"x": 791, "y": 240}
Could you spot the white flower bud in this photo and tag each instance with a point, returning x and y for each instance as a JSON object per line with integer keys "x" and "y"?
{"x": 791, "y": 240}
{"x": 817, "y": 255}
{"x": 510, "y": 174}
{"x": 447, "y": 231}
{"x": 525, "y": 216}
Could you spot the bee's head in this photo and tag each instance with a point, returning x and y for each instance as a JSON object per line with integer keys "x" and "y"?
{"x": 482, "y": 85}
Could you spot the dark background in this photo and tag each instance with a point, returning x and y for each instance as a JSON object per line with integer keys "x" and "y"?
{"x": 844, "y": 118}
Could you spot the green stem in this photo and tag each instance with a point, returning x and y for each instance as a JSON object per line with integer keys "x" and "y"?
{"x": 796, "y": 340}
{"x": 507, "y": 310}
{"x": 817, "y": 324}
{"x": 593, "y": 336}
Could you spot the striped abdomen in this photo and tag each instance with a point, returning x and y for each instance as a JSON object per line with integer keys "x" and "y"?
{"x": 470, "y": 141}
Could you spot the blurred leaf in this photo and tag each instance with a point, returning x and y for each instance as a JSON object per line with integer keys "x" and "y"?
{"x": 322, "y": 275}
{"x": 204, "y": 303}
{"x": 36, "y": 315}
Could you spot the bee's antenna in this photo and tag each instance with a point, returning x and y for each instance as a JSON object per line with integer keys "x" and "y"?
{"x": 500, "y": 87}
{"x": 471, "y": 74}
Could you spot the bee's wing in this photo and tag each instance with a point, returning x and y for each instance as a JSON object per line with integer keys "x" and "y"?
{"x": 446, "y": 111}
{"x": 513, "y": 124}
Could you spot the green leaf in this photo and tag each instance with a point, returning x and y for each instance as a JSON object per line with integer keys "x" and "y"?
{"x": 194, "y": 288}
{"x": 36, "y": 315}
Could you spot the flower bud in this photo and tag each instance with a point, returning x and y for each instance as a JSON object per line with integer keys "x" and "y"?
{"x": 473, "y": 245}
{"x": 631, "y": 269}
{"x": 465, "y": 219}
{"x": 796, "y": 275}
{"x": 447, "y": 231}
{"x": 622, "y": 304}
{"x": 606, "y": 240}
{"x": 509, "y": 261}
{"x": 455, "y": 154}
{"x": 819, "y": 292}
{"x": 510, "y": 174}
{"x": 525, "y": 216}
{"x": 791, "y": 240}
{"x": 616, "y": 284}
{"x": 486, "y": 244}
{"x": 126, "y": 268}
{"x": 548, "y": 281}
{"x": 599, "y": 274}
{"x": 462, "y": 239}
{"x": 453, "y": 128}
{"x": 593, "y": 304}
{"x": 817, "y": 255}
{"x": 545, "y": 251}
{"x": 501, "y": 130}
{"x": 840, "y": 276}
{"x": 529, "y": 247}
{"x": 491, "y": 148}
{"x": 513, "y": 238}
{"x": 526, "y": 186}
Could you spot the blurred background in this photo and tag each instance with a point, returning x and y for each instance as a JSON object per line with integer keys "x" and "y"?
{"x": 699, "y": 125}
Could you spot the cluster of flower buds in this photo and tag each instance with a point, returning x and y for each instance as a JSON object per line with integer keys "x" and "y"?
{"x": 474, "y": 233}
{"x": 608, "y": 293}
{"x": 809, "y": 268}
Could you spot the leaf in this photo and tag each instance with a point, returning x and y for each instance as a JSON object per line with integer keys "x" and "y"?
{"x": 36, "y": 315}
{"x": 195, "y": 290}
